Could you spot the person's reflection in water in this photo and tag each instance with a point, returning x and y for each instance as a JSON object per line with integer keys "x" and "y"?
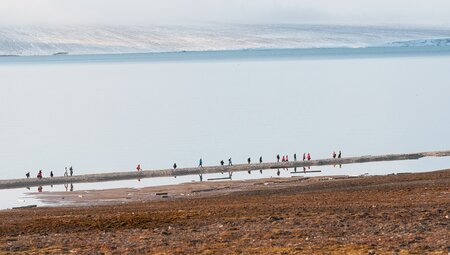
{"x": 260, "y": 171}
{"x": 304, "y": 169}
{"x": 201, "y": 177}
{"x": 66, "y": 186}
{"x": 28, "y": 188}
{"x": 40, "y": 189}
{"x": 249, "y": 172}
{"x": 71, "y": 187}
{"x": 278, "y": 172}
{"x": 295, "y": 169}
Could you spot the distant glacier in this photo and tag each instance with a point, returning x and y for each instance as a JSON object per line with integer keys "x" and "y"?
{"x": 28, "y": 41}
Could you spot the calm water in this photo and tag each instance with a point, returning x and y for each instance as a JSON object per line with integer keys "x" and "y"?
{"x": 110, "y": 115}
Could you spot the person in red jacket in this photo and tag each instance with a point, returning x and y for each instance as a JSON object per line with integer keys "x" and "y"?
{"x": 138, "y": 168}
{"x": 309, "y": 156}
{"x": 334, "y": 154}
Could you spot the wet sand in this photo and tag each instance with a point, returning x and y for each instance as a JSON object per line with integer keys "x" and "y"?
{"x": 393, "y": 214}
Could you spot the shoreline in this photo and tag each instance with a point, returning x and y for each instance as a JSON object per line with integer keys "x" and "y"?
{"x": 404, "y": 214}
{"x": 233, "y": 54}
{"x": 119, "y": 196}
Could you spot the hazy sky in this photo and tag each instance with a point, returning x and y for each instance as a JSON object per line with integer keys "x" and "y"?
{"x": 143, "y": 12}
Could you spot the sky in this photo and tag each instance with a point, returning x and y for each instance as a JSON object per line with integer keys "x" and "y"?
{"x": 181, "y": 12}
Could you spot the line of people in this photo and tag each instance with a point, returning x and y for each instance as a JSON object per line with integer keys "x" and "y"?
{"x": 40, "y": 174}
{"x": 284, "y": 158}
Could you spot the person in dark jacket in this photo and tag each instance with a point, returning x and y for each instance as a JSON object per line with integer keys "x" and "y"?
{"x": 51, "y": 173}
{"x": 27, "y": 175}
{"x": 221, "y": 162}
{"x": 340, "y": 154}
{"x": 278, "y": 157}
{"x": 229, "y": 162}
{"x": 260, "y": 159}
{"x": 71, "y": 170}
{"x": 248, "y": 160}
{"x": 174, "y": 165}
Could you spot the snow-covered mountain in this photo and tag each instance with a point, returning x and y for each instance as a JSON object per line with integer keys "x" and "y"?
{"x": 103, "y": 40}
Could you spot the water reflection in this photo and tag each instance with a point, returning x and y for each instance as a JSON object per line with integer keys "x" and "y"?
{"x": 21, "y": 197}
{"x": 67, "y": 185}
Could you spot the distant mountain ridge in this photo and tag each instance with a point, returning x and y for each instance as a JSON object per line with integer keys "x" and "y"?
{"x": 112, "y": 40}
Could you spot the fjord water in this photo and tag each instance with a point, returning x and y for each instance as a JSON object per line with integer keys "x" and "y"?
{"x": 110, "y": 115}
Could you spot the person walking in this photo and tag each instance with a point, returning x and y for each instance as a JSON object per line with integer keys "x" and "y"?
{"x": 138, "y": 168}
{"x": 283, "y": 159}
{"x": 71, "y": 170}
{"x": 309, "y": 156}
{"x": 260, "y": 159}
{"x": 304, "y": 156}
{"x": 295, "y": 156}
{"x": 65, "y": 172}
{"x": 248, "y": 160}
{"x": 334, "y": 154}
{"x": 174, "y": 165}
{"x": 51, "y": 173}
{"x": 39, "y": 175}
{"x": 229, "y": 162}
{"x": 27, "y": 175}
{"x": 278, "y": 157}
{"x": 200, "y": 163}
{"x": 221, "y": 162}
{"x": 287, "y": 158}
{"x": 339, "y": 155}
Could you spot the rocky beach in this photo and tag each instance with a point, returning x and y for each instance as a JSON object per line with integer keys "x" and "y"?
{"x": 392, "y": 214}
